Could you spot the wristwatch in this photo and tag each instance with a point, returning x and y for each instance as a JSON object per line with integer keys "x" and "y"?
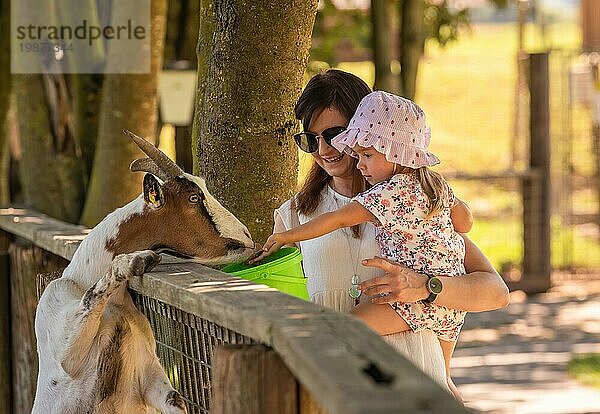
{"x": 434, "y": 287}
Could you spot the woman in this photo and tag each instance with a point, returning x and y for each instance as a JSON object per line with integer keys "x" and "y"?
{"x": 333, "y": 262}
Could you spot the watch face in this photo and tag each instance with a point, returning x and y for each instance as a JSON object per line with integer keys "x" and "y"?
{"x": 434, "y": 285}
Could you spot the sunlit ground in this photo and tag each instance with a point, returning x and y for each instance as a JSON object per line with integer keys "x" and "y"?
{"x": 515, "y": 360}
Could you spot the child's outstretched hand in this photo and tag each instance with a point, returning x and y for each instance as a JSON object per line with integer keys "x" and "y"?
{"x": 275, "y": 242}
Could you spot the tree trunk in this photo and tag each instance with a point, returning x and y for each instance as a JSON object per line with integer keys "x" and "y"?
{"x": 182, "y": 32}
{"x": 51, "y": 171}
{"x": 381, "y": 16}
{"x": 412, "y": 42}
{"x": 50, "y": 167}
{"x": 85, "y": 88}
{"x": 5, "y": 90}
{"x": 128, "y": 101}
{"x": 247, "y": 89}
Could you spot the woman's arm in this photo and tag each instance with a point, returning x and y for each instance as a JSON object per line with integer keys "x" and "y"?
{"x": 279, "y": 225}
{"x": 347, "y": 216}
{"x": 462, "y": 218}
{"x": 481, "y": 289}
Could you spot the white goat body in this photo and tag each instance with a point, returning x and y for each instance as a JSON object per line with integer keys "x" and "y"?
{"x": 97, "y": 352}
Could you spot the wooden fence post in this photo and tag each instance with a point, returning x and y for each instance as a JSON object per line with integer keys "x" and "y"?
{"x": 5, "y": 316}
{"x": 252, "y": 379}
{"x": 536, "y": 187}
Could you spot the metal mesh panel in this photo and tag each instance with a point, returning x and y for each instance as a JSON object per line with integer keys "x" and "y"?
{"x": 185, "y": 345}
{"x": 575, "y": 169}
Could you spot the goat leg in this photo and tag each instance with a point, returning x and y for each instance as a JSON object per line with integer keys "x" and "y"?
{"x": 160, "y": 394}
{"x": 93, "y": 303}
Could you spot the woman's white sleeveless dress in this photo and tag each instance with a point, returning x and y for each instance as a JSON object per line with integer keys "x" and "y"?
{"x": 330, "y": 261}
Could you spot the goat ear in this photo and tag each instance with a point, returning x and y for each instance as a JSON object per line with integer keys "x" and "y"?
{"x": 153, "y": 194}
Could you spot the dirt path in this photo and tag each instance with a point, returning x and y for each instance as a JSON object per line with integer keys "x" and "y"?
{"x": 514, "y": 360}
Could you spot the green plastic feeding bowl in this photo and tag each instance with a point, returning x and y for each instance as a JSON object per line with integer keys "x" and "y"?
{"x": 282, "y": 271}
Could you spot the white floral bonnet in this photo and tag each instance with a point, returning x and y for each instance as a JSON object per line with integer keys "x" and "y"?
{"x": 393, "y": 126}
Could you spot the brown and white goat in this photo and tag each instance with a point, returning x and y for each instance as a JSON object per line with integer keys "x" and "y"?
{"x": 97, "y": 352}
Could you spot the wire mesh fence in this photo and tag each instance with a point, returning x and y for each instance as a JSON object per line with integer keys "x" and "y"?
{"x": 185, "y": 345}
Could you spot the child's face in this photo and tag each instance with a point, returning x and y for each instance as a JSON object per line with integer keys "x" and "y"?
{"x": 373, "y": 165}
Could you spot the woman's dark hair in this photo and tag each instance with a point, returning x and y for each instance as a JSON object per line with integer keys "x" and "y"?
{"x": 331, "y": 89}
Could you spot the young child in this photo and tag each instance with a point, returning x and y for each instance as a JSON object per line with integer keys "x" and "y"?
{"x": 414, "y": 210}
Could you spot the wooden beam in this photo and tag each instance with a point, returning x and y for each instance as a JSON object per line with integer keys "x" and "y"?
{"x": 343, "y": 365}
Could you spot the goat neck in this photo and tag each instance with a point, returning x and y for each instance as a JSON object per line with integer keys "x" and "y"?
{"x": 93, "y": 257}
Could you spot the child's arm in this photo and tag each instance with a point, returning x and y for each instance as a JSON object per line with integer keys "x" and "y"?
{"x": 461, "y": 216}
{"x": 347, "y": 216}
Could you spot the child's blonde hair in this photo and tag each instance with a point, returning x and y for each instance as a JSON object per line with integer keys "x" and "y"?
{"x": 434, "y": 186}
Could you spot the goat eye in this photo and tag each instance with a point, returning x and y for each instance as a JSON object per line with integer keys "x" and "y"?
{"x": 194, "y": 198}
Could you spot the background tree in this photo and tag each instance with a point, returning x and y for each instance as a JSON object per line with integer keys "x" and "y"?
{"x": 248, "y": 82}
{"x": 128, "y": 101}
{"x": 331, "y": 39}
{"x": 85, "y": 88}
{"x": 412, "y": 38}
{"x": 57, "y": 117}
{"x": 382, "y": 13}
{"x": 50, "y": 168}
{"x": 182, "y": 32}
{"x": 391, "y": 30}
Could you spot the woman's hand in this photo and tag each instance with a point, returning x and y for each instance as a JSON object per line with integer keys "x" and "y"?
{"x": 398, "y": 284}
{"x": 275, "y": 242}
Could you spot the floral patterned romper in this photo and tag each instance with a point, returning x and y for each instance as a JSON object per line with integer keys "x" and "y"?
{"x": 430, "y": 247}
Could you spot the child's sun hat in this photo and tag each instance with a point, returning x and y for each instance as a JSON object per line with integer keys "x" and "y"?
{"x": 393, "y": 126}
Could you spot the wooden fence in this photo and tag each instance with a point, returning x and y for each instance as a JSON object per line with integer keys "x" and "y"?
{"x": 228, "y": 345}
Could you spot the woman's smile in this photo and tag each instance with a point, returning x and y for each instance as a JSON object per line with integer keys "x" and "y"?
{"x": 333, "y": 159}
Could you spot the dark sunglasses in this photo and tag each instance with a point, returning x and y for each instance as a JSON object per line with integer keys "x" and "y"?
{"x": 309, "y": 141}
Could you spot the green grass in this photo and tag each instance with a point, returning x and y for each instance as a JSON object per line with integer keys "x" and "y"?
{"x": 468, "y": 93}
{"x": 586, "y": 369}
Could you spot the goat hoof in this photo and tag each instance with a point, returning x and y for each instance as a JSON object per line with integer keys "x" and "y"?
{"x": 143, "y": 262}
{"x": 175, "y": 400}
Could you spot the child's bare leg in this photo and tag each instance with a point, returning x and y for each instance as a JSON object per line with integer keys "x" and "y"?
{"x": 381, "y": 318}
{"x": 448, "y": 350}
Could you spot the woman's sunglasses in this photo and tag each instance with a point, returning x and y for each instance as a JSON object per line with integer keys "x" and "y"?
{"x": 309, "y": 141}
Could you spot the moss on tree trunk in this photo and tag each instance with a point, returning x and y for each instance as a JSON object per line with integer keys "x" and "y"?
{"x": 128, "y": 101}
{"x": 252, "y": 56}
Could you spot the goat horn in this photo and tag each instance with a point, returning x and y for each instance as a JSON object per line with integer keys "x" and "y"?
{"x": 163, "y": 162}
{"x": 147, "y": 165}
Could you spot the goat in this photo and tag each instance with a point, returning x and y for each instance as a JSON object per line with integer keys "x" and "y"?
{"x": 97, "y": 352}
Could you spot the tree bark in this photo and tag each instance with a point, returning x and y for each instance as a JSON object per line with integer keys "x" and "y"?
{"x": 250, "y": 75}
{"x": 381, "y": 16}
{"x": 128, "y": 101}
{"x": 412, "y": 43}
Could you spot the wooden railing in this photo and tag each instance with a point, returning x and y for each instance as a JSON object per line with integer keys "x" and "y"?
{"x": 227, "y": 344}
